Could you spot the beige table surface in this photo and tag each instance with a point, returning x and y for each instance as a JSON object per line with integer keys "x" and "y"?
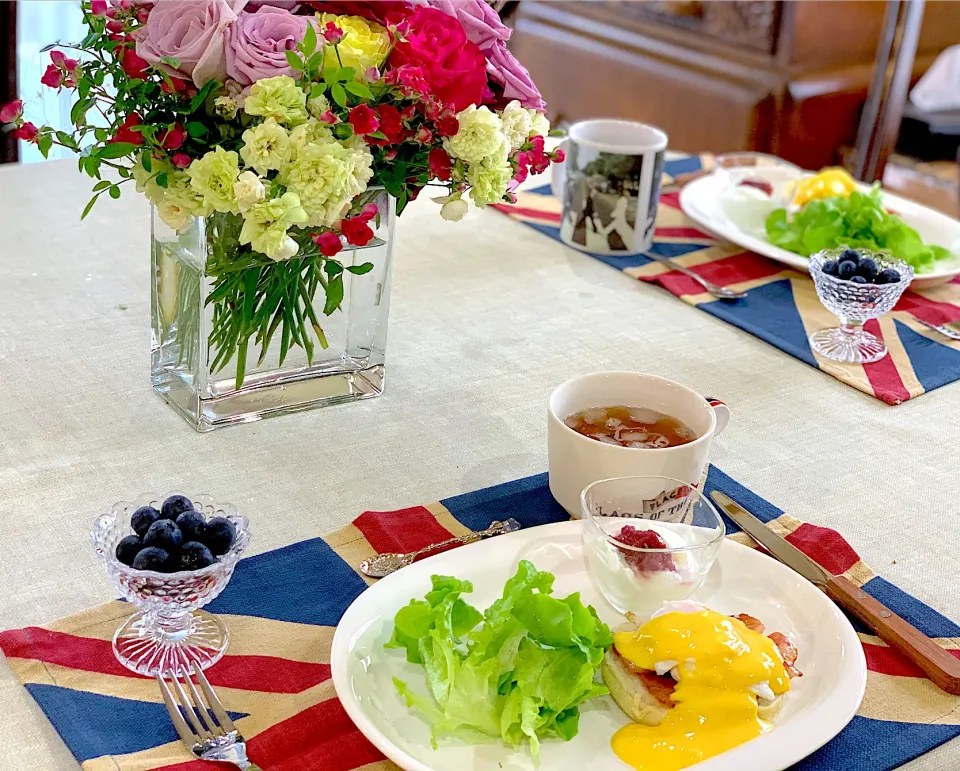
{"x": 488, "y": 316}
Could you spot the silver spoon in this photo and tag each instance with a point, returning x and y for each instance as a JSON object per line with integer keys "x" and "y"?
{"x": 720, "y": 292}
{"x": 951, "y": 329}
{"x": 387, "y": 563}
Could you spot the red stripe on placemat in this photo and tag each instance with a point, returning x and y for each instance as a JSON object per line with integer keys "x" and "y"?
{"x": 523, "y": 211}
{"x": 887, "y": 661}
{"x": 825, "y": 547}
{"x": 734, "y": 269}
{"x": 681, "y": 233}
{"x": 401, "y": 531}
{"x": 883, "y": 375}
{"x": 267, "y": 674}
{"x": 670, "y": 199}
{"x": 320, "y": 737}
{"x": 192, "y": 765}
{"x": 928, "y": 310}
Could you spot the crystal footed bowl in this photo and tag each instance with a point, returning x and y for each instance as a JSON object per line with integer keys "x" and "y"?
{"x": 169, "y": 632}
{"x": 853, "y": 304}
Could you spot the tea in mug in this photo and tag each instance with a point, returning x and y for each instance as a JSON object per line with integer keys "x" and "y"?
{"x": 638, "y": 427}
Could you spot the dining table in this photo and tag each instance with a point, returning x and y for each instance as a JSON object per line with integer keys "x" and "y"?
{"x": 487, "y": 318}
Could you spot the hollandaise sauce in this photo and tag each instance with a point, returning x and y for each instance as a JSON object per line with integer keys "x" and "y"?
{"x": 718, "y": 660}
{"x": 829, "y": 183}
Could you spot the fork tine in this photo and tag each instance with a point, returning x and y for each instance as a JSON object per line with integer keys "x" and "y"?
{"x": 213, "y": 701}
{"x": 198, "y": 727}
{"x": 186, "y": 735}
{"x": 202, "y": 708}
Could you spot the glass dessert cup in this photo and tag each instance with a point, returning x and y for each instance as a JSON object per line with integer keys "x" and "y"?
{"x": 169, "y": 632}
{"x": 853, "y": 304}
{"x": 631, "y": 573}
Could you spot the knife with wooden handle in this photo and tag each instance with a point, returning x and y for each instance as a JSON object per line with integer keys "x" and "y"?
{"x": 942, "y": 668}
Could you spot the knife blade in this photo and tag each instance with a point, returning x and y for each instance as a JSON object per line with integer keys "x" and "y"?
{"x": 938, "y": 665}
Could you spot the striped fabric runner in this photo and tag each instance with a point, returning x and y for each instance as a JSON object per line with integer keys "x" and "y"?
{"x": 282, "y": 606}
{"x": 781, "y": 307}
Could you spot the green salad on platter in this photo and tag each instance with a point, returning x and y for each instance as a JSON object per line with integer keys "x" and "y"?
{"x": 517, "y": 671}
{"x": 857, "y": 221}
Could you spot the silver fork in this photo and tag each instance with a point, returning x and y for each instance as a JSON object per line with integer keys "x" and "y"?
{"x": 208, "y": 732}
{"x": 720, "y": 292}
{"x": 951, "y": 329}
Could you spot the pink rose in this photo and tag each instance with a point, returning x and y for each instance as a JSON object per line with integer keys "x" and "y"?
{"x": 479, "y": 20}
{"x": 503, "y": 68}
{"x": 257, "y": 43}
{"x": 191, "y": 31}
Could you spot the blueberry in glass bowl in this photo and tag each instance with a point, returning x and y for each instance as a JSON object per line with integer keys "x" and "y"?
{"x": 856, "y": 285}
{"x": 169, "y": 578}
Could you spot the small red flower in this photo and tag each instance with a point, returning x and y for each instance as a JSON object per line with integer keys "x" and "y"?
{"x": 521, "y": 174}
{"x": 409, "y": 79}
{"x": 98, "y": 7}
{"x": 357, "y": 231}
{"x": 52, "y": 77}
{"x": 71, "y": 65}
{"x": 143, "y": 14}
{"x": 328, "y": 241}
{"x": 424, "y": 135}
{"x": 10, "y": 112}
{"x": 329, "y": 117}
{"x": 391, "y": 124}
{"x": 447, "y": 126}
{"x": 175, "y": 86}
{"x": 181, "y": 160}
{"x": 363, "y": 120}
{"x": 332, "y": 33}
{"x": 135, "y": 66}
{"x": 174, "y": 137}
{"x": 58, "y": 58}
{"x": 115, "y": 26}
{"x": 126, "y": 134}
{"x": 559, "y": 156}
{"x": 408, "y": 112}
{"x": 371, "y": 75}
{"x": 27, "y": 132}
{"x": 390, "y": 154}
{"x": 439, "y": 163}
{"x": 368, "y": 212}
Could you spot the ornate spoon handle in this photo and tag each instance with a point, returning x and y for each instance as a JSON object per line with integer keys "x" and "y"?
{"x": 496, "y": 528}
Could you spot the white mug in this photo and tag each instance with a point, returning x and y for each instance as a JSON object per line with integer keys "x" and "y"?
{"x": 576, "y": 461}
{"x": 610, "y": 186}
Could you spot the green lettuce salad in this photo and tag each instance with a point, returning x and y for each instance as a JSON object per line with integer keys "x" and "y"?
{"x": 858, "y": 221}
{"x": 518, "y": 671}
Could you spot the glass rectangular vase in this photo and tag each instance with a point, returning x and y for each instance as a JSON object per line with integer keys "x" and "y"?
{"x": 210, "y": 295}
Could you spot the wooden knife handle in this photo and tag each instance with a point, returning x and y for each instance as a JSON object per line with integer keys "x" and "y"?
{"x": 942, "y": 668}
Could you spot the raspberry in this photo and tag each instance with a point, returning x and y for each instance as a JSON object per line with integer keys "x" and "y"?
{"x": 644, "y": 539}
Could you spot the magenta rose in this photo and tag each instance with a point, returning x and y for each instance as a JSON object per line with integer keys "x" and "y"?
{"x": 503, "y": 68}
{"x": 257, "y": 43}
{"x": 479, "y": 20}
{"x": 192, "y": 32}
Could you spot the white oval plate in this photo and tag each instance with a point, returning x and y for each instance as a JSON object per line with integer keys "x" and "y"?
{"x": 700, "y": 201}
{"x": 820, "y": 703}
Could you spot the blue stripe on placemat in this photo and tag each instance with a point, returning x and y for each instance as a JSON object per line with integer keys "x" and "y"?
{"x": 685, "y": 165}
{"x": 933, "y": 363}
{"x": 527, "y": 500}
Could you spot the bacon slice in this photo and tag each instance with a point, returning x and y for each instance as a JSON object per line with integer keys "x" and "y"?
{"x": 659, "y": 686}
{"x": 788, "y": 652}
{"x": 751, "y": 623}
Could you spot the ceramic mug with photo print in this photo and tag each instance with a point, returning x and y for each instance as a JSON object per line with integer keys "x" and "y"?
{"x": 610, "y": 186}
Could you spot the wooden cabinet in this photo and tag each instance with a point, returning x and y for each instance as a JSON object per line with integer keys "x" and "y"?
{"x": 784, "y": 77}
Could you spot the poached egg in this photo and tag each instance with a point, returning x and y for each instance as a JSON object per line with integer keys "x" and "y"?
{"x": 720, "y": 666}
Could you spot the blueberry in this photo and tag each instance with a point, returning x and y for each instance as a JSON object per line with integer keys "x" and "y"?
{"x": 128, "y": 549}
{"x": 220, "y": 535}
{"x": 850, "y": 254}
{"x": 858, "y": 280}
{"x": 830, "y": 267}
{"x": 888, "y": 276}
{"x": 153, "y": 558}
{"x": 846, "y": 269}
{"x": 867, "y": 268}
{"x": 194, "y": 556}
{"x": 192, "y": 524}
{"x": 165, "y": 534}
{"x": 142, "y": 518}
{"x": 175, "y": 505}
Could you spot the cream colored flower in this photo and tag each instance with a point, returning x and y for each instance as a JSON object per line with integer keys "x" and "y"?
{"x": 327, "y": 176}
{"x": 249, "y": 190}
{"x": 539, "y": 125}
{"x": 479, "y": 137}
{"x": 318, "y": 106}
{"x": 279, "y": 98}
{"x": 365, "y": 43}
{"x": 266, "y": 146}
{"x": 174, "y": 215}
{"x": 226, "y": 107}
{"x": 454, "y": 210}
{"x": 311, "y": 131}
{"x": 213, "y": 177}
{"x": 266, "y": 224}
{"x": 146, "y": 181}
{"x": 180, "y": 201}
{"x": 489, "y": 179}
{"x": 516, "y": 124}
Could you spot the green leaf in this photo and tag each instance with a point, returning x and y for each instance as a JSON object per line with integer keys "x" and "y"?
{"x": 101, "y": 135}
{"x": 89, "y": 206}
{"x": 79, "y": 109}
{"x": 346, "y": 73}
{"x": 171, "y": 61}
{"x": 65, "y": 139}
{"x": 309, "y": 40}
{"x": 44, "y": 144}
{"x": 359, "y": 270}
{"x": 332, "y": 267}
{"x": 196, "y": 129}
{"x": 338, "y": 94}
{"x": 146, "y": 162}
{"x": 316, "y": 90}
{"x": 162, "y": 179}
{"x": 315, "y": 62}
{"x": 294, "y": 61}
{"x": 359, "y": 89}
{"x": 115, "y": 150}
{"x": 114, "y": 192}
{"x": 103, "y": 185}
{"x": 343, "y": 131}
{"x": 334, "y": 295}
{"x": 201, "y": 95}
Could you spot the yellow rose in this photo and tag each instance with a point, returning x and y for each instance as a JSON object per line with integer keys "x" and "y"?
{"x": 365, "y": 43}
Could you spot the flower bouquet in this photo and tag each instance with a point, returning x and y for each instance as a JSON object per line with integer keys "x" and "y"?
{"x": 276, "y": 141}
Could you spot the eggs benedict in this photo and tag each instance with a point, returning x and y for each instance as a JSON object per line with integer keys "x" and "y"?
{"x": 827, "y": 183}
{"x": 696, "y": 683}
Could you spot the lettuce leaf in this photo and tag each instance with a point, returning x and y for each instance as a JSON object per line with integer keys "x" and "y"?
{"x": 859, "y": 222}
{"x": 517, "y": 672}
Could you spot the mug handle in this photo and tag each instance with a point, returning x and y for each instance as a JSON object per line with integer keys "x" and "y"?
{"x": 558, "y": 172}
{"x": 723, "y": 413}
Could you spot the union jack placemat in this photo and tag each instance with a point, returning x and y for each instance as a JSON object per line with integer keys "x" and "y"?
{"x": 781, "y": 306}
